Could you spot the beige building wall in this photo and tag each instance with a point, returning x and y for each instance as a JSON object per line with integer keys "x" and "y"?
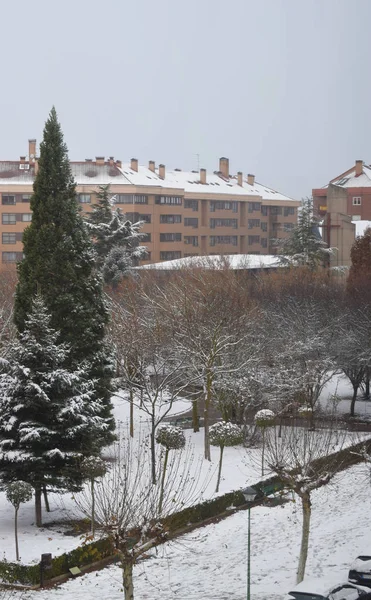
{"x": 339, "y": 231}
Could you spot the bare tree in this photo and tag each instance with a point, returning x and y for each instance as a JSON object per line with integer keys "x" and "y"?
{"x": 127, "y": 503}
{"x": 304, "y": 460}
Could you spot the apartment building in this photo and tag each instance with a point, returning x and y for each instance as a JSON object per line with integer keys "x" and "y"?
{"x": 184, "y": 213}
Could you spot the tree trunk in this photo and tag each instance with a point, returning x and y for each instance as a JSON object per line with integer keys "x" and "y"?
{"x": 206, "y": 416}
{"x": 92, "y": 507}
{"x": 306, "y": 505}
{"x": 220, "y": 468}
{"x": 354, "y": 398}
{"x": 131, "y": 413}
{"x": 38, "y": 508}
{"x": 127, "y": 578}
{"x": 196, "y": 425}
{"x": 263, "y": 449}
{"x": 153, "y": 452}
{"x": 163, "y": 481}
{"x": 46, "y": 499}
{"x": 16, "y": 533}
{"x": 367, "y": 384}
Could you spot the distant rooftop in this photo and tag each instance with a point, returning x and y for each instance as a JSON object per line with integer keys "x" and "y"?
{"x": 231, "y": 261}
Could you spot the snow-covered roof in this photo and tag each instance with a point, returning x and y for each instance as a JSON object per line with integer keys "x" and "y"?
{"x": 362, "y": 564}
{"x": 16, "y": 173}
{"x": 361, "y": 227}
{"x": 90, "y": 173}
{"x": 232, "y": 261}
{"x": 350, "y": 180}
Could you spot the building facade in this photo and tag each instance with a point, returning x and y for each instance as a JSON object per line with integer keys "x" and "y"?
{"x": 184, "y": 213}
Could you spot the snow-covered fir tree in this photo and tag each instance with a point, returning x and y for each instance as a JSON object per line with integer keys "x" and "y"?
{"x": 117, "y": 240}
{"x": 59, "y": 262}
{"x": 49, "y": 419}
{"x": 304, "y": 246}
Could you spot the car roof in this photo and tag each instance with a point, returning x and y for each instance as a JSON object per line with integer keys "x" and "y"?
{"x": 321, "y": 587}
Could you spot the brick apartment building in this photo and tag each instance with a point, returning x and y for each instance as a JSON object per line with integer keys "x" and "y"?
{"x": 184, "y": 213}
{"x": 345, "y": 200}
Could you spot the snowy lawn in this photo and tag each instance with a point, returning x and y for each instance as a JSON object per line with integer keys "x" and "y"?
{"x": 210, "y": 563}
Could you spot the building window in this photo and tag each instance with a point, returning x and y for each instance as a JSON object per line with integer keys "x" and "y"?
{"x": 145, "y": 237}
{"x": 191, "y": 239}
{"x": 264, "y": 210}
{"x": 187, "y": 254}
{"x": 191, "y": 222}
{"x": 177, "y": 200}
{"x": 253, "y": 206}
{"x": 8, "y": 219}
{"x": 85, "y": 198}
{"x": 264, "y": 242}
{"x": 223, "y": 223}
{"x": 193, "y": 204}
{"x": 223, "y": 239}
{"x": 288, "y": 210}
{"x": 9, "y": 238}
{"x": 253, "y": 239}
{"x": 253, "y": 223}
{"x": 170, "y": 237}
{"x": 170, "y": 219}
{"x": 12, "y": 257}
{"x": 26, "y": 217}
{"x": 357, "y": 200}
{"x": 288, "y": 227}
{"x": 223, "y": 205}
{"x": 170, "y": 255}
{"x": 135, "y": 217}
{"x": 7, "y": 200}
{"x": 276, "y": 210}
{"x": 264, "y": 226}
{"x": 130, "y": 199}
{"x": 26, "y": 197}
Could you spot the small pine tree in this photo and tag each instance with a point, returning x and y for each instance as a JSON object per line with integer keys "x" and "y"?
{"x": 49, "y": 418}
{"x": 116, "y": 239}
{"x": 59, "y": 262}
{"x": 304, "y": 246}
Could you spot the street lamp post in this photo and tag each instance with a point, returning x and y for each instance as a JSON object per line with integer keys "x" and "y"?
{"x": 249, "y": 494}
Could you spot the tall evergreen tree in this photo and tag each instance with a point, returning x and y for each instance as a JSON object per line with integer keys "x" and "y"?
{"x": 305, "y": 245}
{"x": 116, "y": 239}
{"x": 59, "y": 263}
{"x": 359, "y": 280}
{"x": 49, "y": 419}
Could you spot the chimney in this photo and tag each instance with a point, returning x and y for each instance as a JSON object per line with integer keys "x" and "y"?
{"x": 22, "y": 159}
{"x": 134, "y": 164}
{"x": 224, "y": 167}
{"x": 99, "y": 160}
{"x": 203, "y": 176}
{"x": 240, "y": 178}
{"x": 36, "y": 167}
{"x": 152, "y": 166}
{"x": 118, "y": 164}
{"x": 111, "y": 161}
{"x": 32, "y": 150}
{"x": 359, "y": 167}
{"x": 250, "y": 179}
{"x": 161, "y": 171}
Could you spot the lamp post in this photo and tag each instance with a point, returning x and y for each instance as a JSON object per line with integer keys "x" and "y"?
{"x": 249, "y": 494}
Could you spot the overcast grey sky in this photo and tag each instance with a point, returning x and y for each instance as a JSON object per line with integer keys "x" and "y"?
{"x": 281, "y": 87}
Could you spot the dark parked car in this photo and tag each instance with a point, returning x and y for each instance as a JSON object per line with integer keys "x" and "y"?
{"x": 360, "y": 571}
{"x": 317, "y": 590}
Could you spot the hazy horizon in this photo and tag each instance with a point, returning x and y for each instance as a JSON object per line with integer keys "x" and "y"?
{"x": 278, "y": 86}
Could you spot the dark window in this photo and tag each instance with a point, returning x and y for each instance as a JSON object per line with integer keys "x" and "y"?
{"x": 253, "y": 206}
{"x": 253, "y": 239}
{"x": 253, "y": 223}
{"x": 7, "y": 200}
{"x": 170, "y": 237}
{"x": 186, "y": 254}
{"x": 134, "y": 217}
{"x": 223, "y": 205}
{"x": 12, "y": 257}
{"x": 8, "y": 219}
{"x": 193, "y": 204}
{"x": 130, "y": 199}
{"x": 170, "y": 255}
{"x": 170, "y": 219}
{"x": 146, "y": 237}
{"x": 264, "y": 242}
{"x": 288, "y": 226}
{"x": 223, "y": 223}
{"x": 288, "y": 210}
{"x": 223, "y": 239}
{"x": 9, "y": 238}
{"x": 191, "y": 239}
{"x": 264, "y": 226}
{"x": 190, "y": 222}
{"x": 26, "y": 197}
{"x": 85, "y": 198}
{"x": 264, "y": 210}
{"x": 177, "y": 200}
{"x": 26, "y": 217}
{"x": 276, "y": 210}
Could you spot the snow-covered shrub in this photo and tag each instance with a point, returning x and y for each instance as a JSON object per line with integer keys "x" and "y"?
{"x": 264, "y": 417}
{"x": 225, "y": 434}
{"x": 171, "y": 437}
{"x": 93, "y": 467}
{"x": 17, "y": 493}
{"x": 305, "y": 412}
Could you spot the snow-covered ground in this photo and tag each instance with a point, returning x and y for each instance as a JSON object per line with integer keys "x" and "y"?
{"x": 211, "y": 563}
